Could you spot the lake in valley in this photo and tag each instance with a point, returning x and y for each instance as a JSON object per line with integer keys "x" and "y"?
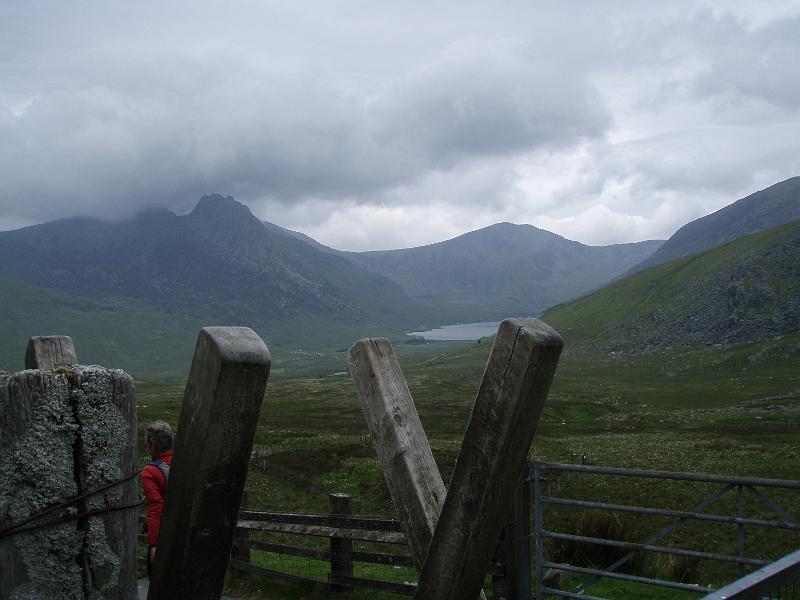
{"x": 462, "y": 331}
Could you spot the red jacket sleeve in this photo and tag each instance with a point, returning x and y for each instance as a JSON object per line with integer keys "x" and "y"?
{"x": 153, "y": 485}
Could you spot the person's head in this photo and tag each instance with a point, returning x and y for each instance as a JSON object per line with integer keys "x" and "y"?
{"x": 158, "y": 437}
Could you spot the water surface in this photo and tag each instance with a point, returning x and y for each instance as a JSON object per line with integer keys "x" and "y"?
{"x": 462, "y": 331}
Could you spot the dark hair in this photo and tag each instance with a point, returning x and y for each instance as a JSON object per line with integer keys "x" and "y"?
{"x": 159, "y": 433}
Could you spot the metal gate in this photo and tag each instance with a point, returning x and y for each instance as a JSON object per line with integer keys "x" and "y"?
{"x": 545, "y": 474}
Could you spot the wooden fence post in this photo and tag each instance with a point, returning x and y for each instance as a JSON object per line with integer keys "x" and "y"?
{"x": 341, "y": 548}
{"x": 499, "y": 434}
{"x": 517, "y": 555}
{"x": 215, "y": 435}
{"x": 50, "y": 352}
{"x": 413, "y": 479}
{"x": 64, "y": 435}
{"x": 241, "y": 547}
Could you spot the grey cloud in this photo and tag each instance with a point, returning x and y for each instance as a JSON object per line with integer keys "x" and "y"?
{"x": 480, "y": 99}
{"x": 761, "y": 63}
{"x": 121, "y": 117}
{"x": 300, "y": 109}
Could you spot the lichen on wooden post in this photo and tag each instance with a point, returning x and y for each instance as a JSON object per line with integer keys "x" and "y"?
{"x": 62, "y": 435}
{"x": 220, "y": 411}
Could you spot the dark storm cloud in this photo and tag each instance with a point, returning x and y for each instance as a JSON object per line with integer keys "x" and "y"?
{"x": 111, "y": 120}
{"x": 460, "y": 112}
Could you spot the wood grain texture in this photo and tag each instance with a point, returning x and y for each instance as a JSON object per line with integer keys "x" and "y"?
{"x": 217, "y": 425}
{"x": 498, "y": 437}
{"x": 413, "y": 479}
{"x": 50, "y": 352}
{"x": 414, "y": 482}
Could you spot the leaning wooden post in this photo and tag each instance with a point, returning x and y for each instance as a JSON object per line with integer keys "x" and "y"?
{"x": 499, "y": 434}
{"x": 215, "y": 435}
{"x": 241, "y": 547}
{"x": 341, "y": 548}
{"x": 513, "y": 553}
{"x": 50, "y": 352}
{"x": 517, "y": 584}
{"x": 413, "y": 479}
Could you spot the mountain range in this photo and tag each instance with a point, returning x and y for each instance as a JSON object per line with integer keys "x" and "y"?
{"x": 134, "y": 293}
{"x": 503, "y": 270}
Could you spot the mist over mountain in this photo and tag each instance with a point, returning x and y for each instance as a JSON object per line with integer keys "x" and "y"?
{"x": 219, "y": 256}
{"x": 136, "y": 292}
{"x": 140, "y": 289}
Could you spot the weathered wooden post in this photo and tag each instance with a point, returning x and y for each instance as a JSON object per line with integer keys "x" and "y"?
{"x": 68, "y": 493}
{"x": 241, "y": 548}
{"x": 499, "y": 434}
{"x": 50, "y": 352}
{"x": 413, "y": 479}
{"x": 341, "y": 548}
{"x": 516, "y": 543}
{"x": 215, "y": 435}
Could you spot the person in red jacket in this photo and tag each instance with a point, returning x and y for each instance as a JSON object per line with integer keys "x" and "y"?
{"x": 158, "y": 438}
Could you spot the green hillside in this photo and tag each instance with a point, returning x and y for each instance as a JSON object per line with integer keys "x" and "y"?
{"x": 150, "y": 343}
{"x": 746, "y": 290}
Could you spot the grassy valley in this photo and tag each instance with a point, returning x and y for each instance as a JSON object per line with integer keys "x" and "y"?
{"x": 729, "y": 411}
{"x": 689, "y": 365}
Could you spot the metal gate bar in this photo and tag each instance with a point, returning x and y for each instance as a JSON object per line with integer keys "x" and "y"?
{"x": 742, "y": 484}
{"x": 663, "y": 512}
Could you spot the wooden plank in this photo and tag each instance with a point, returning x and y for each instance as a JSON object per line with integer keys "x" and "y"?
{"x": 413, "y": 479}
{"x": 49, "y": 352}
{"x": 385, "y": 537}
{"x": 288, "y": 550}
{"x": 369, "y": 523}
{"x": 377, "y": 558}
{"x": 498, "y": 437}
{"x": 380, "y": 558}
{"x": 217, "y": 425}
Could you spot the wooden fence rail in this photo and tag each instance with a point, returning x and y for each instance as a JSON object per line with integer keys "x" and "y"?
{"x": 342, "y": 530}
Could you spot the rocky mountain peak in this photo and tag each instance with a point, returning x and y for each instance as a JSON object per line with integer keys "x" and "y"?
{"x": 223, "y": 213}
{"x": 222, "y": 210}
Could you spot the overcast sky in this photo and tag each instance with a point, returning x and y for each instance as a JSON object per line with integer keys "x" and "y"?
{"x": 371, "y": 125}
